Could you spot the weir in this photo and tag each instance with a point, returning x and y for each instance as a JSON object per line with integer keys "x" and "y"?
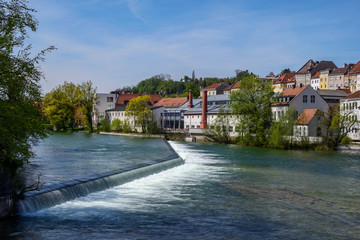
{"x": 59, "y": 193}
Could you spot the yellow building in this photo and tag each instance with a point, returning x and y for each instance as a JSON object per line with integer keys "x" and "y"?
{"x": 324, "y": 79}
{"x": 282, "y": 82}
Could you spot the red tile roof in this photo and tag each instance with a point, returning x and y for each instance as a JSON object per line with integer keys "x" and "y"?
{"x": 306, "y": 116}
{"x": 172, "y": 102}
{"x": 233, "y": 86}
{"x": 213, "y": 86}
{"x": 284, "y": 78}
{"x": 316, "y": 75}
{"x": 355, "y": 69}
{"x": 124, "y": 98}
{"x": 345, "y": 90}
{"x": 353, "y": 95}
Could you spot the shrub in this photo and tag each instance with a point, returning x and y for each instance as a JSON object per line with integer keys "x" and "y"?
{"x": 116, "y": 125}
{"x": 346, "y": 140}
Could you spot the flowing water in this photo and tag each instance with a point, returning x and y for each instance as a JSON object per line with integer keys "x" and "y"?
{"x": 221, "y": 192}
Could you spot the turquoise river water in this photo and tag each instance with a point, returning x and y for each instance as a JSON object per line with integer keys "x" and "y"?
{"x": 221, "y": 192}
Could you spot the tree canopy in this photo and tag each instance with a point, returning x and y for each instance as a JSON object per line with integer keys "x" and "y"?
{"x": 138, "y": 108}
{"x": 21, "y": 122}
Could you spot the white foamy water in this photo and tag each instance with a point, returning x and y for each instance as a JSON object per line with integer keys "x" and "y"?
{"x": 147, "y": 194}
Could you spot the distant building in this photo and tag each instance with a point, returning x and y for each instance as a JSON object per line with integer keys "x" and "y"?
{"x": 332, "y": 96}
{"x": 315, "y": 81}
{"x": 232, "y": 88}
{"x": 354, "y": 77}
{"x": 306, "y": 72}
{"x": 282, "y": 82}
{"x": 215, "y": 89}
{"x": 124, "y": 98}
{"x": 324, "y": 79}
{"x": 338, "y": 79}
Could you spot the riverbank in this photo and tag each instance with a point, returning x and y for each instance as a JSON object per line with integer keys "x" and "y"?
{"x": 139, "y": 135}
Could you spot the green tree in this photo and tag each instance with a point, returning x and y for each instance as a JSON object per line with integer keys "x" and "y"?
{"x": 116, "y": 125}
{"x": 87, "y": 101}
{"x": 280, "y": 131}
{"x": 21, "y": 122}
{"x": 286, "y": 70}
{"x": 195, "y": 90}
{"x": 61, "y": 103}
{"x": 219, "y": 130}
{"x": 252, "y": 107}
{"x": 138, "y": 108}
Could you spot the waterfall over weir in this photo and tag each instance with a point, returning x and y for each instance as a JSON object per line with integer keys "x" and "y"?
{"x": 59, "y": 193}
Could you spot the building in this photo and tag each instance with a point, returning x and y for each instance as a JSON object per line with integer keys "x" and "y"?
{"x": 104, "y": 101}
{"x": 206, "y": 112}
{"x": 354, "y": 77}
{"x": 298, "y": 99}
{"x": 118, "y": 112}
{"x": 174, "y": 109}
{"x": 332, "y": 96}
{"x": 306, "y": 72}
{"x": 214, "y": 89}
{"x": 282, "y": 82}
{"x": 324, "y": 79}
{"x": 315, "y": 81}
{"x": 232, "y": 88}
{"x": 349, "y": 106}
{"x": 310, "y": 124}
{"x": 338, "y": 79}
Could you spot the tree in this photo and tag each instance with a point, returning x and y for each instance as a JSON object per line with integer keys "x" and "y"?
{"x": 61, "y": 103}
{"x": 21, "y": 122}
{"x": 279, "y": 132}
{"x": 219, "y": 130}
{"x": 87, "y": 101}
{"x": 252, "y": 107}
{"x": 193, "y": 76}
{"x": 286, "y": 70}
{"x": 138, "y": 108}
{"x": 195, "y": 90}
{"x": 338, "y": 125}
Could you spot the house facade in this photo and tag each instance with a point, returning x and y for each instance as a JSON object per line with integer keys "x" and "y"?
{"x": 174, "y": 109}
{"x": 214, "y": 89}
{"x": 298, "y": 99}
{"x": 310, "y": 124}
{"x": 349, "y": 106}
{"x": 306, "y": 72}
{"x": 338, "y": 79}
{"x": 315, "y": 81}
{"x": 104, "y": 101}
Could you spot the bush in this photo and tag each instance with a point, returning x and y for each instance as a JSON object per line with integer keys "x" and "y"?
{"x": 105, "y": 126}
{"x": 116, "y": 125}
{"x": 346, "y": 140}
{"x": 126, "y": 128}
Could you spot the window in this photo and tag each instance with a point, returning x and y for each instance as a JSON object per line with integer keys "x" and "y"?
{"x": 318, "y": 132}
{"x": 110, "y": 99}
{"x": 187, "y": 126}
{"x": 198, "y": 126}
{"x": 231, "y": 128}
{"x": 305, "y": 99}
{"x": 192, "y": 126}
{"x": 312, "y": 99}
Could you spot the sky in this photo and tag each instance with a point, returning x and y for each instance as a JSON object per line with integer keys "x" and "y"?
{"x": 118, "y": 43}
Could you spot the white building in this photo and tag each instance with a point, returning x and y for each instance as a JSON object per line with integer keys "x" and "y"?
{"x": 104, "y": 101}
{"x": 310, "y": 124}
{"x": 315, "y": 81}
{"x": 119, "y": 113}
{"x": 299, "y": 99}
{"x": 349, "y": 106}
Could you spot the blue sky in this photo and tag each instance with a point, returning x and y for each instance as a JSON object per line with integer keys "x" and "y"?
{"x": 117, "y": 43}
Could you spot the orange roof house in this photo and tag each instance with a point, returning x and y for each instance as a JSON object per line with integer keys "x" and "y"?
{"x": 306, "y": 116}
{"x": 309, "y": 124}
{"x": 215, "y": 89}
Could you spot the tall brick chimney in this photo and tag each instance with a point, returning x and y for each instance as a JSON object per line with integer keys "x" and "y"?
{"x": 203, "y": 123}
{"x": 190, "y": 99}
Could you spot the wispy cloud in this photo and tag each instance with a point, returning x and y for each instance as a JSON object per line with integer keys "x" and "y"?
{"x": 137, "y": 7}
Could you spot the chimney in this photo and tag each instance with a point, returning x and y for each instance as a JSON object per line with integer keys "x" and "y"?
{"x": 203, "y": 123}
{"x": 190, "y": 99}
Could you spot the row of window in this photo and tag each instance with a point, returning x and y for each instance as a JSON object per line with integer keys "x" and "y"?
{"x": 312, "y": 99}
{"x": 349, "y": 106}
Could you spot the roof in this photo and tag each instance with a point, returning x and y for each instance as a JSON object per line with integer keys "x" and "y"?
{"x": 306, "y": 116}
{"x": 292, "y": 93}
{"x": 353, "y": 95}
{"x": 316, "y": 75}
{"x": 215, "y": 86}
{"x": 233, "y": 86}
{"x": 171, "y": 102}
{"x": 331, "y": 93}
{"x": 342, "y": 70}
{"x": 123, "y": 98}
{"x": 284, "y": 78}
{"x": 355, "y": 69}
{"x": 123, "y": 108}
{"x": 314, "y": 67}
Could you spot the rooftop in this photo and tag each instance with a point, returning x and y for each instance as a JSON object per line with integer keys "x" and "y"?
{"x": 171, "y": 102}
{"x": 355, "y": 69}
{"x": 306, "y": 116}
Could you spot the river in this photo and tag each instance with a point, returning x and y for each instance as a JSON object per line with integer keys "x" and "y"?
{"x": 221, "y": 192}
